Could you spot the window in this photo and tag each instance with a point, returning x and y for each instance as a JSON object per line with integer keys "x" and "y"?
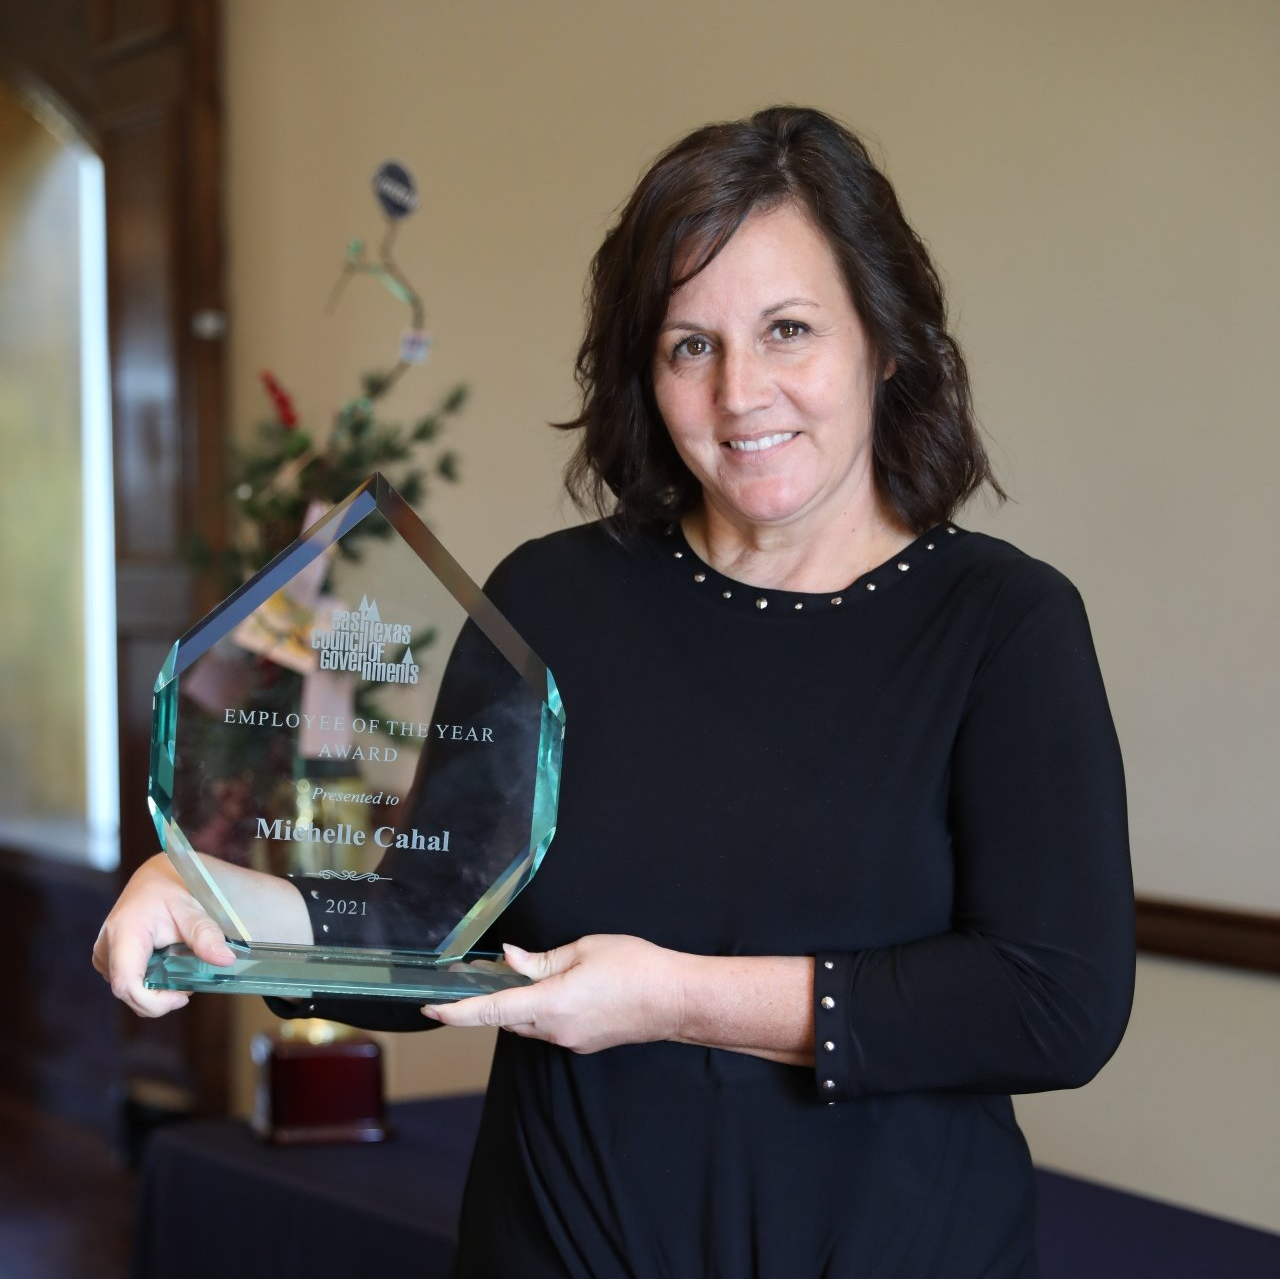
{"x": 58, "y": 740}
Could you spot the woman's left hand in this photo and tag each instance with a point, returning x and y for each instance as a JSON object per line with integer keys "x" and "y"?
{"x": 594, "y": 993}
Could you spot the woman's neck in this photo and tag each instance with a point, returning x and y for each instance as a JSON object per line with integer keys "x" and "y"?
{"x": 795, "y": 557}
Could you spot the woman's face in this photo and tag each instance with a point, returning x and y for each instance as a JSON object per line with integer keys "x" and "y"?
{"x": 765, "y": 379}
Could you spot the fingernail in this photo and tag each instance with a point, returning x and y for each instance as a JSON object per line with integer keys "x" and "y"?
{"x": 509, "y": 949}
{"x": 429, "y": 1011}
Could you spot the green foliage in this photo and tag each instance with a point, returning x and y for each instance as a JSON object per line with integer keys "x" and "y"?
{"x": 275, "y": 484}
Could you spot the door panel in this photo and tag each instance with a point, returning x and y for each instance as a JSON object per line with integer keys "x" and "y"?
{"x": 140, "y": 79}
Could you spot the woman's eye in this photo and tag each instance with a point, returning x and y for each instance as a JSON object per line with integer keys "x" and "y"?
{"x": 692, "y": 345}
{"x": 789, "y": 330}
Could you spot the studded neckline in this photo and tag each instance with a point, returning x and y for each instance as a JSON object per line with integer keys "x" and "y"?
{"x": 768, "y": 601}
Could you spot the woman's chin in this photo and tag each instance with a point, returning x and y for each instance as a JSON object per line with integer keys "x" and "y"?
{"x": 763, "y": 507}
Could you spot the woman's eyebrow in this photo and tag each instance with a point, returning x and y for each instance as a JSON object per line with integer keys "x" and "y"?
{"x": 785, "y": 305}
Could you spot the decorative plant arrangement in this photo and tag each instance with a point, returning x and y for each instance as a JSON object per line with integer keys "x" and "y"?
{"x": 287, "y": 480}
{"x": 294, "y": 472}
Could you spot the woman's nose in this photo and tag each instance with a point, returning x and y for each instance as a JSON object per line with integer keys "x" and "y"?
{"x": 744, "y": 383}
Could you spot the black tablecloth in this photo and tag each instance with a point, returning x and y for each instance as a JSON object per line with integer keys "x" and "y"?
{"x": 215, "y": 1203}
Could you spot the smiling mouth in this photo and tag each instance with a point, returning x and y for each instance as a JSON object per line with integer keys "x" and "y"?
{"x": 762, "y": 442}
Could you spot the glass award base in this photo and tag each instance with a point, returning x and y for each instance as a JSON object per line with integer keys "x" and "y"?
{"x": 307, "y": 972}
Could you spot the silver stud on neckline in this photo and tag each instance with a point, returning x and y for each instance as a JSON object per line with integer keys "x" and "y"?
{"x": 828, "y": 1047}
{"x": 929, "y": 547}
{"x": 903, "y": 566}
{"x": 828, "y": 1084}
{"x": 837, "y": 599}
{"x": 871, "y": 586}
{"x": 679, "y": 555}
{"x": 726, "y": 595}
{"x": 699, "y": 577}
{"x": 828, "y": 964}
{"x": 799, "y": 605}
{"x": 950, "y": 530}
{"x": 828, "y": 1002}
{"x": 762, "y": 602}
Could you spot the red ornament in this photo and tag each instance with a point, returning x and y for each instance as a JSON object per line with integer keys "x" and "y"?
{"x": 286, "y": 414}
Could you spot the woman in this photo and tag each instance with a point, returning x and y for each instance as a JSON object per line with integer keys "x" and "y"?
{"x": 841, "y": 859}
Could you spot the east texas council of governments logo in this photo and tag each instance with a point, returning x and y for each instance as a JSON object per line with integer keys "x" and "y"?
{"x": 357, "y": 641}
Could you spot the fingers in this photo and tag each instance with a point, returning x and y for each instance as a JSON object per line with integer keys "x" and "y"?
{"x": 154, "y": 911}
{"x": 514, "y": 1009}
{"x": 202, "y": 934}
{"x": 577, "y": 997}
{"x": 539, "y": 964}
{"x": 100, "y": 951}
{"x": 122, "y": 960}
{"x": 157, "y": 1003}
{"x": 506, "y": 1009}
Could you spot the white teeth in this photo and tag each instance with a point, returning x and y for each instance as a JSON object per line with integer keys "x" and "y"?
{"x": 764, "y": 442}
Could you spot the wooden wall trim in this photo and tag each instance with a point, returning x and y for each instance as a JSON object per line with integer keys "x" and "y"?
{"x": 154, "y": 69}
{"x": 1209, "y": 934}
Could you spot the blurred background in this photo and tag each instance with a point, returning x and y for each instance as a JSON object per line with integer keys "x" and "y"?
{"x": 178, "y": 186}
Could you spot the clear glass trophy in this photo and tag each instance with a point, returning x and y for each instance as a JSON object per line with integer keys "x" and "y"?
{"x": 355, "y": 767}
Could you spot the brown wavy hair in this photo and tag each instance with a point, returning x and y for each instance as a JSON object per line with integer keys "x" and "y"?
{"x": 928, "y": 457}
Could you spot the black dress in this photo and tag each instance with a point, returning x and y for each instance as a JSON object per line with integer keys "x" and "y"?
{"x": 917, "y": 781}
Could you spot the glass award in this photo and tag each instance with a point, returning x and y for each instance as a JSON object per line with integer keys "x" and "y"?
{"x": 355, "y": 767}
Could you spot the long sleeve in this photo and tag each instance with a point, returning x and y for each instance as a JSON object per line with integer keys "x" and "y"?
{"x": 1031, "y": 987}
{"x": 367, "y": 1014}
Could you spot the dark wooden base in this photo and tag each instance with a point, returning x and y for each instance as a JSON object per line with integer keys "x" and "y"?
{"x": 311, "y": 1093}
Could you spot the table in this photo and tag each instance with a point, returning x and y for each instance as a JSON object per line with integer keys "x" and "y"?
{"x": 216, "y": 1203}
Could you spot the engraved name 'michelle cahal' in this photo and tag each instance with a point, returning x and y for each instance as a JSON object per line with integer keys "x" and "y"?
{"x": 282, "y": 828}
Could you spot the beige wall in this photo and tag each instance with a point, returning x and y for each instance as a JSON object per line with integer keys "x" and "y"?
{"x": 1186, "y": 1110}
{"x": 1099, "y": 184}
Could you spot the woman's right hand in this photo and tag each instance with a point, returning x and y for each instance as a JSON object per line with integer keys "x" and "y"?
{"x": 155, "y": 910}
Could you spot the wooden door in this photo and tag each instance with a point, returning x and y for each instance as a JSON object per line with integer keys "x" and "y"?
{"x": 141, "y": 79}
{"x": 156, "y": 112}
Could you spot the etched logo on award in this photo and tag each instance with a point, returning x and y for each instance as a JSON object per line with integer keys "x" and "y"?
{"x": 356, "y": 640}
